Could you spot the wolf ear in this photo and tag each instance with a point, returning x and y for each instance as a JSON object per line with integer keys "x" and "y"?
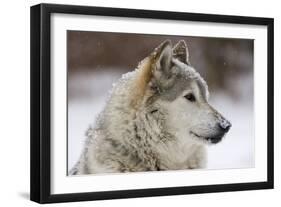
{"x": 163, "y": 56}
{"x": 161, "y": 65}
{"x": 180, "y": 52}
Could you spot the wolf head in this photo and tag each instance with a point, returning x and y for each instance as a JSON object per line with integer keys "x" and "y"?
{"x": 180, "y": 95}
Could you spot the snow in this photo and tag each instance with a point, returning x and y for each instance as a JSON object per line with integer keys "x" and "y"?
{"x": 88, "y": 94}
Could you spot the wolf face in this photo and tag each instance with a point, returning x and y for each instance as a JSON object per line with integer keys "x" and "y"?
{"x": 181, "y": 96}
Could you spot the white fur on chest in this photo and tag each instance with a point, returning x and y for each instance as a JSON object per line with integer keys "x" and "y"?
{"x": 181, "y": 154}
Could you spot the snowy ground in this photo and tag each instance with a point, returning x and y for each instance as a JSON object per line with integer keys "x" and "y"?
{"x": 87, "y": 95}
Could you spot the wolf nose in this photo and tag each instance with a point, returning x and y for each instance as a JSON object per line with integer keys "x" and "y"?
{"x": 224, "y": 125}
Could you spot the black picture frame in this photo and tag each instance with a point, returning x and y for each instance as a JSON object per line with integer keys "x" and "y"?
{"x": 40, "y": 176}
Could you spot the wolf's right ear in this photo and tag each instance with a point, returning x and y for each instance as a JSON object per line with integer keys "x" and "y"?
{"x": 180, "y": 52}
{"x": 161, "y": 65}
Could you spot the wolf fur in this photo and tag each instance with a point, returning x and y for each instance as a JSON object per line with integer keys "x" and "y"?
{"x": 156, "y": 118}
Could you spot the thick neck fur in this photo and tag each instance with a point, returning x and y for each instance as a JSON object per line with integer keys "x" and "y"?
{"x": 136, "y": 136}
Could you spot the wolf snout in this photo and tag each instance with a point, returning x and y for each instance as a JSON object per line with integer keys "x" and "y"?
{"x": 224, "y": 125}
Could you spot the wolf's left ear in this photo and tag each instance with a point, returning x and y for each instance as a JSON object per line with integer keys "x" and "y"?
{"x": 161, "y": 66}
{"x": 180, "y": 52}
{"x": 162, "y": 56}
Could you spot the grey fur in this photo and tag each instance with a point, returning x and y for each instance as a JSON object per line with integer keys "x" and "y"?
{"x": 139, "y": 137}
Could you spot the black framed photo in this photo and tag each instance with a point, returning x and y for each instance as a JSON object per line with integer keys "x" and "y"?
{"x": 133, "y": 103}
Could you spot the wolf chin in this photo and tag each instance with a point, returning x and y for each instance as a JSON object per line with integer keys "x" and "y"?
{"x": 156, "y": 118}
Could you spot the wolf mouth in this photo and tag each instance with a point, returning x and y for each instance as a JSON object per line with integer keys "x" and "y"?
{"x": 212, "y": 140}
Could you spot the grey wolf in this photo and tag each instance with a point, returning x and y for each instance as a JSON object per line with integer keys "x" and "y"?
{"x": 157, "y": 118}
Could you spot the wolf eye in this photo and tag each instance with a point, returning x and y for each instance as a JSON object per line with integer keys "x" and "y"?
{"x": 190, "y": 97}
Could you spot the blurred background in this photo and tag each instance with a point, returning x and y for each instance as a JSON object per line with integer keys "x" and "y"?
{"x": 95, "y": 60}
